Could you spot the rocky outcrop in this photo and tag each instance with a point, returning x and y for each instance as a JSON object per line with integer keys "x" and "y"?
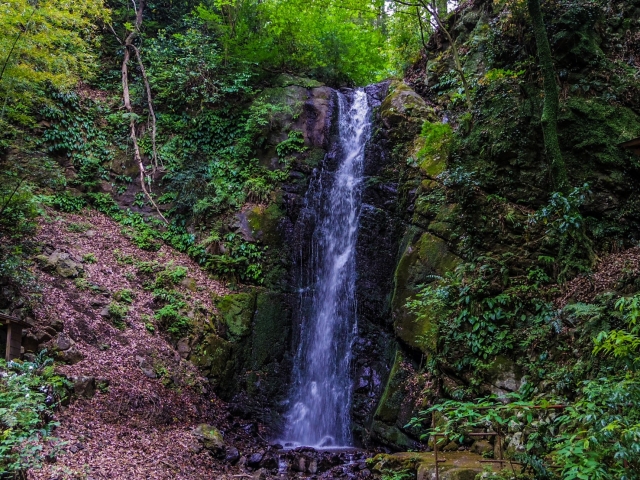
{"x": 249, "y": 357}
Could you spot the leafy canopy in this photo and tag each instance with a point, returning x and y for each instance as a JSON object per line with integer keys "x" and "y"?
{"x": 43, "y": 43}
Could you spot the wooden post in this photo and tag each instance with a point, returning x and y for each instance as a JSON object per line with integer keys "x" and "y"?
{"x": 14, "y": 336}
{"x": 7, "y": 354}
{"x": 435, "y": 449}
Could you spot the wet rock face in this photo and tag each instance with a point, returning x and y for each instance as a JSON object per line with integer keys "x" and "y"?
{"x": 304, "y": 461}
{"x": 252, "y": 360}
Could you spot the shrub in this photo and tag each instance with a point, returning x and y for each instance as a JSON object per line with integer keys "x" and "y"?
{"x": 29, "y": 393}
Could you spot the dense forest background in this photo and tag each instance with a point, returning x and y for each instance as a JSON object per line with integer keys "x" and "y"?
{"x": 514, "y": 287}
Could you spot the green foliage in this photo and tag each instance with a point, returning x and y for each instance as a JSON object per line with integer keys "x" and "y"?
{"x": 66, "y": 202}
{"x": 76, "y": 133}
{"x": 170, "y": 319}
{"x": 29, "y": 393}
{"x": 294, "y": 143}
{"x": 169, "y": 276}
{"x": 78, "y": 227}
{"x": 623, "y": 344}
{"x": 333, "y": 42}
{"x": 18, "y": 205}
{"x": 597, "y": 434}
{"x": 49, "y": 43}
{"x": 481, "y": 312}
{"x": 89, "y": 258}
{"x": 125, "y": 295}
{"x": 437, "y": 141}
{"x": 117, "y": 314}
{"x": 396, "y": 475}
{"x": 242, "y": 260}
{"x": 565, "y": 231}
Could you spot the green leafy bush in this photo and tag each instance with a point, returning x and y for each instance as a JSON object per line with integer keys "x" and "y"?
{"x": 172, "y": 321}
{"x": 29, "y": 394}
{"x": 117, "y": 314}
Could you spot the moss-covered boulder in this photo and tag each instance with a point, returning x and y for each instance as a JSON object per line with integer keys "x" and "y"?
{"x": 504, "y": 376}
{"x": 403, "y": 111}
{"x": 236, "y": 311}
{"x": 421, "y": 465}
{"x": 394, "y": 410}
{"x": 213, "y": 356}
{"x": 421, "y": 260}
{"x": 271, "y": 330}
{"x": 264, "y": 222}
{"x": 210, "y": 437}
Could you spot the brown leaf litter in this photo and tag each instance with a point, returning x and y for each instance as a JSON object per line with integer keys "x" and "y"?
{"x": 138, "y": 427}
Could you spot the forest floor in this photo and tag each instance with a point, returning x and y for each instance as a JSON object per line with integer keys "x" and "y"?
{"x": 140, "y": 423}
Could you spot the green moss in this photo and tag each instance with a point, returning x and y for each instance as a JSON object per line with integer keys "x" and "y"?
{"x": 434, "y": 152}
{"x": 393, "y": 396}
{"x": 434, "y": 255}
{"x": 213, "y": 356}
{"x": 264, "y": 222}
{"x": 421, "y": 260}
{"x": 270, "y": 331}
{"x": 392, "y": 436}
{"x": 592, "y": 129}
{"x": 459, "y": 465}
{"x": 237, "y": 311}
{"x": 403, "y": 111}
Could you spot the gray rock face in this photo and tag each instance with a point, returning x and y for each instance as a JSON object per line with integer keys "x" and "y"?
{"x": 63, "y": 342}
{"x": 254, "y": 460}
{"x": 84, "y": 386}
{"x": 70, "y": 356}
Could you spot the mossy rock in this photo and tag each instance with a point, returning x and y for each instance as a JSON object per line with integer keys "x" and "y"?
{"x": 458, "y": 465}
{"x": 393, "y": 395}
{"x": 213, "y": 356}
{"x": 403, "y": 111}
{"x": 264, "y": 222}
{"x": 392, "y": 436}
{"x": 393, "y": 411}
{"x": 426, "y": 257}
{"x": 592, "y": 129}
{"x": 210, "y": 437}
{"x": 237, "y": 311}
{"x": 431, "y": 148}
{"x": 271, "y": 329}
{"x": 504, "y": 376}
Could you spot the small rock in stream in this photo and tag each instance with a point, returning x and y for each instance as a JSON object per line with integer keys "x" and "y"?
{"x": 254, "y": 460}
{"x": 232, "y": 456}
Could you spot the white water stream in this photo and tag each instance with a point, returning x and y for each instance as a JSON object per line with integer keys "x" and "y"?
{"x": 321, "y": 395}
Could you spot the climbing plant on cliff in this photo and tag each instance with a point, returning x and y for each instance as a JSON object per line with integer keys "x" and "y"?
{"x": 550, "y": 107}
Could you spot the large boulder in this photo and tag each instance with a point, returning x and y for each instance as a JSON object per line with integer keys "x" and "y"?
{"x": 421, "y": 261}
{"x": 210, "y": 438}
{"x": 403, "y": 111}
{"x": 237, "y": 311}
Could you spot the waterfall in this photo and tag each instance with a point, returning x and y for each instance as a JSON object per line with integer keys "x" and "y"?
{"x": 321, "y": 395}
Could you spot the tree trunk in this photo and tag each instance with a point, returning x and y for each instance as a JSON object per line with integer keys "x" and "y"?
{"x": 550, "y": 107}
{"x": 128, "y": 46}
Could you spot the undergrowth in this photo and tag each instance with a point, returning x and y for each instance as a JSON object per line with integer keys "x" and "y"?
{"x": 29, "y": 394}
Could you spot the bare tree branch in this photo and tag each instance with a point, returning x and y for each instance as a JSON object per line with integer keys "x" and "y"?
{"x": 128, "y": 46}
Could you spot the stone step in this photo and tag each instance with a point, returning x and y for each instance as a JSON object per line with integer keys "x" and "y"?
{"x": 456, "y": 465}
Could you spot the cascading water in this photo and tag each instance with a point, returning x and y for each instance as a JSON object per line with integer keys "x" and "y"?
{"x": 321, "y": 393}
